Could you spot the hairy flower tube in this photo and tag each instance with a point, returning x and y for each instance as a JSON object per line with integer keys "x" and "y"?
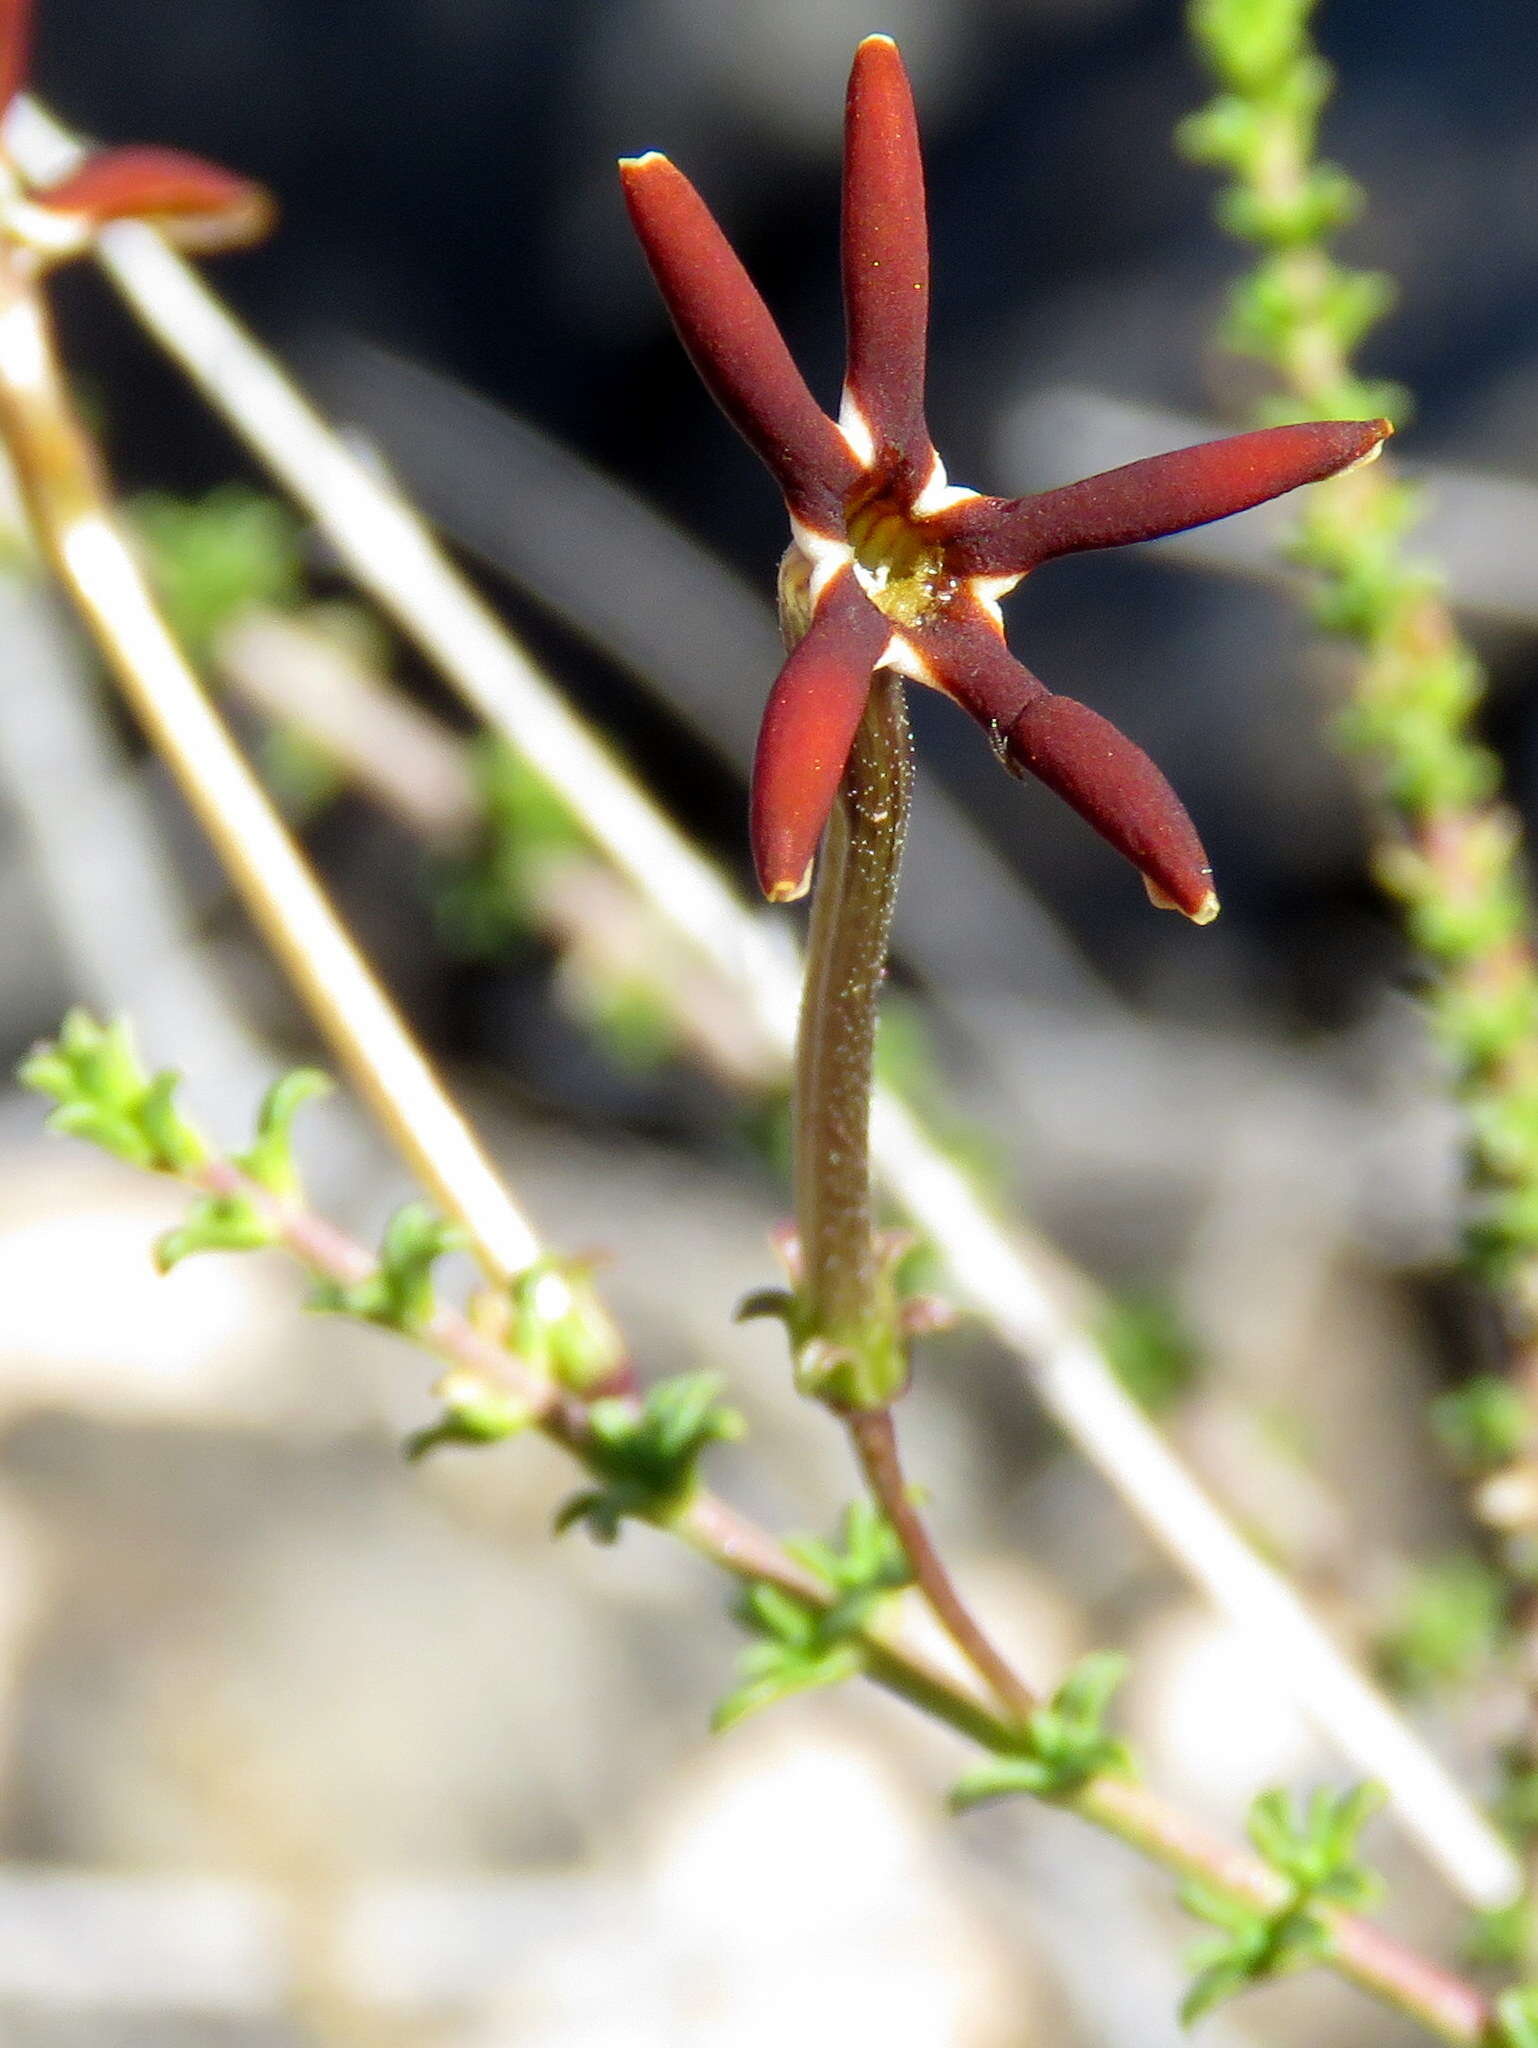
{"x": 197, "y": 204}
{"x": 893, "y": 567}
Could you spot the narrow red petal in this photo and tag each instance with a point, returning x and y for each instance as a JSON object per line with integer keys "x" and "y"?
{"x": 809, "y": 726}
{"x": 1164, "y": 494}
{"x": 1111, "y": 783}
{"x": 15, "y": 48}
{"x": 964, "y": 655}
{"x": 1114, "y": 786}
{"x": 734, "y": 343}
{"x": 886, "y": 257}
{"x": 199, "y": 205}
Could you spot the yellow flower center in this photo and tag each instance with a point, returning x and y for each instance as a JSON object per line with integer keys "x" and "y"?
{"x": 904, "y": 573}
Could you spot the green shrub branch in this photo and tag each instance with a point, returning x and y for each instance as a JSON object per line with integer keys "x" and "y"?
{"x": 1446, "y": 847}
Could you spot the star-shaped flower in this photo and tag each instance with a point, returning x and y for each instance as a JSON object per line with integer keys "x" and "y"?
{"x": 197, "y": 204}
{"x": 891, "y": 566}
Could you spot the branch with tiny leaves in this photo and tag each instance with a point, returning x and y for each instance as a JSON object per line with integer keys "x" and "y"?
{"x": 542, "y": 1355}
{"x": 1446, "y": 846}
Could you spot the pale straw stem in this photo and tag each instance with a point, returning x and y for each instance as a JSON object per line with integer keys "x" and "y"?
{"x": 66, "y": 498}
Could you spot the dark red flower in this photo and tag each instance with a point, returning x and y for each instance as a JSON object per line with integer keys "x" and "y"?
{"x": 198, "y": 205}
{"x": 893, "y": 567}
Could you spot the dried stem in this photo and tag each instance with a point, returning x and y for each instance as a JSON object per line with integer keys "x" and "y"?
{"x": 68, "y": 501}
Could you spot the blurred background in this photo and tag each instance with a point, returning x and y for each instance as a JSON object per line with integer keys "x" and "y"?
{"x": 302, "y": 1745}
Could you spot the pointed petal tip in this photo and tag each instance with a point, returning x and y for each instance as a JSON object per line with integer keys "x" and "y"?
{"x": 1381, "y": 430}
{"x": 199, "y": 206}
{"x": 1205, "y": 911}
{"x": 880, "y": 41}
{"x": 636, "y": 166}
{"x": 787, "y": 888}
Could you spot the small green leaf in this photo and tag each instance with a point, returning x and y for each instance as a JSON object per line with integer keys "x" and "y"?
{"x": 1254, "y": 1947}
{"x": 630, "y": 1014}
{"x": 217, "y": 1223}
{"x": 1001, "y": 1777}
{"x": 491, "y": 898}
{"x": 104, "y": 1094}
{"x": 301, "y": 771}
{"x": 1516, "y": 1804}
{"x": 1085, "y": 1695}
{"x": 1213, "y": 1986}
{"x": 214, "y": 557}
{"x": 1064, "y": 1743}
{"x": 174, "y": 1145}
{"x": 1251, "y": 44}
{"x": 800, "y": 1647}
{"x": 1320, "y": 202}
{"x": 104, "y": 1059}
{"x": 1450, "y": 1622}
{"x": 1499, "y": 1936}
{"x": 646, "y": 1457}
{"x": 780, "y": 1618}
{"x": 776, "y": 1304}
{"x": 399, "y": 1293}
{"x": 1482, "y": 1423}
{"x": 560, "y": 1328}
{"x": 108, "y": 1129}
{"x": 1314, "y": 1847}
{"x": 840, "y": 1661}
{"x": 1151, "y": 1350}
{"x": 270, "y": 1161}
{"x": 476, "y": 1412}
{"x": 1220, "y": 1909}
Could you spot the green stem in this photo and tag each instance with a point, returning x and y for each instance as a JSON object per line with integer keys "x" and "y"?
{"x": 844, "y": 1300}
{"x": 874, "y": 1435}
{"x": 851, "y": 1347}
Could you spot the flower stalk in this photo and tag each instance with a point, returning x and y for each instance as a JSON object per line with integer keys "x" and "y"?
{"x": 847, "y": 1324}
{"x": 849, "y": 1347}
{"x": 847, "y": 1321}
